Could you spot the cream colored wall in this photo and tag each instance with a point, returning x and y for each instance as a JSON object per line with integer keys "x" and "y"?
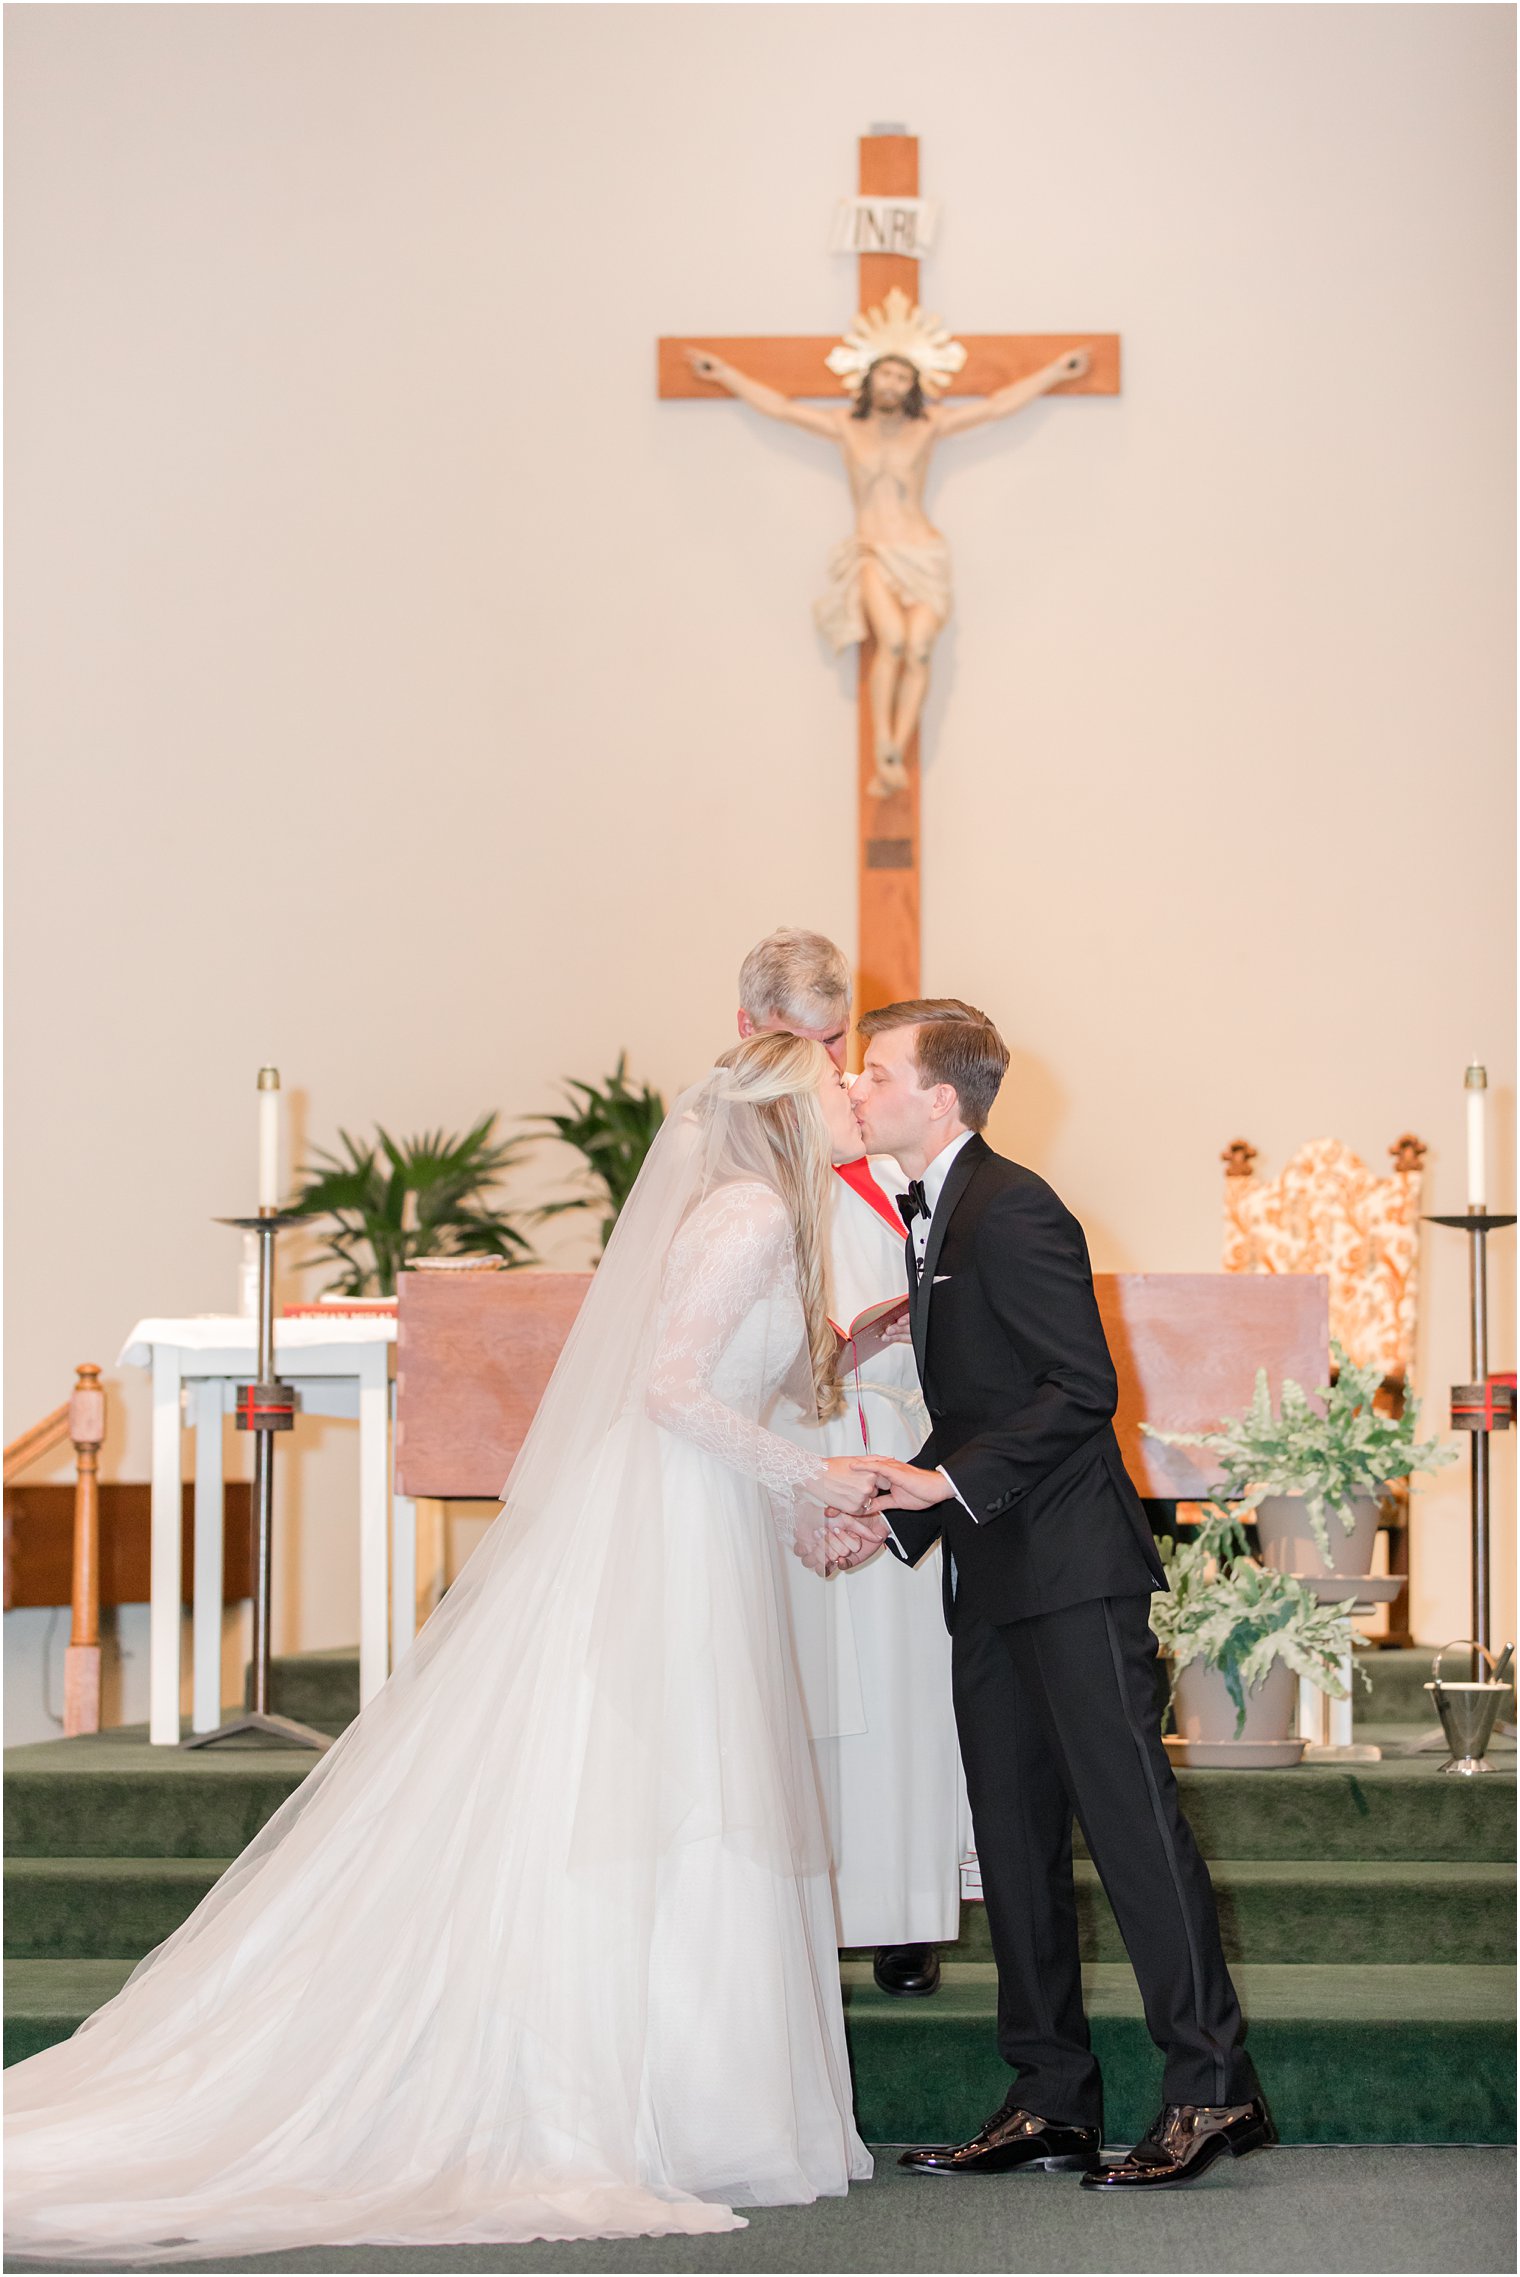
{"x": 397, "y": 691}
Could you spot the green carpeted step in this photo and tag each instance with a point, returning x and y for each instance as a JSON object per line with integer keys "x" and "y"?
{"x": 319, "y": 1688}
{"x": 1397, "y": 1678}
{"x": 112, "y": 1795}
{"x": 1359, "y": 2055}
{"x": 1408, "y": 1741}
{"x": 99, "y": 1908}
{"x": 1270, "y": 1910}
{"x": 1402, "y": 1809}
{"x": 1284, "y": 1911}
{"x": 1392, "y": 1691}
{"x": 322, "y": 1688}
{"x": 45, "y": 2001}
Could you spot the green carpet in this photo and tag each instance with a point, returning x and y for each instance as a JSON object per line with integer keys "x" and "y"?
{"x": 1290, "y": 2211}
{"x": 1288, "y": 1910}
{"x": 1394, "y": 1687}
{"x": 114, "y": 1796}
{"x": 1368, "y": 1911}
{"x": 322, "y": 1688}
{"x": 1278, "y": 1910}
{"x": 1382, "y": 2054}
{"x": 1388, "y": 2054}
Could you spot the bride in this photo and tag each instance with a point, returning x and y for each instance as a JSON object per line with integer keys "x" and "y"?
{"x": 544, "y": 1946}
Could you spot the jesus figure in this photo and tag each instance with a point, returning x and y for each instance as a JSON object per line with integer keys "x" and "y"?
{"x": 891, "y": 578}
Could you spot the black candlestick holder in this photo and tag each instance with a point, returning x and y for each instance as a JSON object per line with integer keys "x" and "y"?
{"x": 1479, "y": 1408}
{"x": 265, "y": 1408}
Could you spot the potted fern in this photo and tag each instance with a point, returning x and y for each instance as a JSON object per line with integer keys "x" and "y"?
{"x": 389, "y": 1203}
{"x": 1329, "y": 1454}
{"x": 1238, "y": 1635}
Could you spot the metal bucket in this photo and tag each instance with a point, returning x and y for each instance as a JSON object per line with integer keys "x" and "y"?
{"x": 1468, "y": 1713}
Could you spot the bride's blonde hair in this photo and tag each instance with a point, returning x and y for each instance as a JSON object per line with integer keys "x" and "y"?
{"x": 778, "y": 1076}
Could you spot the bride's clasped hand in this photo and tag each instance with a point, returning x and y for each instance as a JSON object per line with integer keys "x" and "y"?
{"x": 860, "y": 1489}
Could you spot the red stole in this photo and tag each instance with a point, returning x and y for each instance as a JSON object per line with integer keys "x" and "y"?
{"x": 857, "y": 1176}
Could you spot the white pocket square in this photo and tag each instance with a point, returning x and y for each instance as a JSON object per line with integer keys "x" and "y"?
{"x": 942, "y": 1277}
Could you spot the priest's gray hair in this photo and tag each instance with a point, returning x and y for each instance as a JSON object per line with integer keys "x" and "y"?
{"x": 795, "y": 976}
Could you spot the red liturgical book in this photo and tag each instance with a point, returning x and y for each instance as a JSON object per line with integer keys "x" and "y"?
{"x": 863, "y": 1338}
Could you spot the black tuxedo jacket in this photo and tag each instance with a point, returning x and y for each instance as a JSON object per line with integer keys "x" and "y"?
{"x": 1021, "y": 1394}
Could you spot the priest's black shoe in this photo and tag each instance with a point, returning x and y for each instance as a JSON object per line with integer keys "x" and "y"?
{"x": 907, "y": 1969}
{"x": 1184, "y": 2143}
{"x": 1011, "y": 2138}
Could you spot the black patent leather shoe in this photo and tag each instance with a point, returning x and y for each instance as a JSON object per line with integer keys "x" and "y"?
{"x": 1184, "y": 2143}
{"x": 907, "y": 1969}
{"x": 1012, "y": 2138}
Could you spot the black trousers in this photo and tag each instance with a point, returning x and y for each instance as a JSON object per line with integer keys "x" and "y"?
{"x": 1059, "y": 1717}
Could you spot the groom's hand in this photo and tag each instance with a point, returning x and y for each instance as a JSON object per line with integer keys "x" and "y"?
{"x": 850, "y": 1482}
{"x": 902, "y": 1486}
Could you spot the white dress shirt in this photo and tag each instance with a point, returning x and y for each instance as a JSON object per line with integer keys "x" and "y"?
{"x": 933, "y": 1183}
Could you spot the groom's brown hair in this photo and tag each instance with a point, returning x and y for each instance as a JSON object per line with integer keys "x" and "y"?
{"x": 955, "y": 1044}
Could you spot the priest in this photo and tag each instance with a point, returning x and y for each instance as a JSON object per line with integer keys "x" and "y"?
{"x": 873, "y": 1655}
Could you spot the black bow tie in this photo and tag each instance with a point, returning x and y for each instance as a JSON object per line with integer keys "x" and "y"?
{"x": 913, "y": 1204}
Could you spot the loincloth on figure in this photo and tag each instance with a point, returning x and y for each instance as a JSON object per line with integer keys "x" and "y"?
{"x": 917, "y": 576}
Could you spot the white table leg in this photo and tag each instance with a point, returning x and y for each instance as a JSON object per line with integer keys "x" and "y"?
{"x": 206, "y": 1618}
{"x": 1340, "y": 1710}
{"x": 374, "y": 1484}
{"x": 164, "y": 1557}
{"x": 1311, "y": 1712}
{"x": 1339, "y": 1745}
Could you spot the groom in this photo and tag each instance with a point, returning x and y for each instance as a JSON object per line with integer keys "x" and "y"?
{"x": 1049, "y": 1569}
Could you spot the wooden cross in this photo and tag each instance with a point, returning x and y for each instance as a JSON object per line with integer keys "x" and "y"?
{"x": 887, "y": 964}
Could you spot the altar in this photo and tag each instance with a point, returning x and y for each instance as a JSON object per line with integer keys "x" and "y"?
{"x": 475, "y": 1351}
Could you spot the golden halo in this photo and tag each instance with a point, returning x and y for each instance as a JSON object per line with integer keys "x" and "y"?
{"x": 897, "y": 328}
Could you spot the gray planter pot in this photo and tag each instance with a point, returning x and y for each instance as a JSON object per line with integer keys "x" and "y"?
{"x": 1204, "y": 1710}
{"x": 1288, "y": 1545}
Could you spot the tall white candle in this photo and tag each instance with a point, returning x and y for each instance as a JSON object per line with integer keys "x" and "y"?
{"x": 1475, "y": 1083}
{"x": 269, "y": 1138}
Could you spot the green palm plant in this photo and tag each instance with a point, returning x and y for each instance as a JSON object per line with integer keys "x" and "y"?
{"x": 399, "y": 1200}
{"x": 613, "y": 1125}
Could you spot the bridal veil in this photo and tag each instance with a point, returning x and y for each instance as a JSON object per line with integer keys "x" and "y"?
{"x": 544, "y": 1945}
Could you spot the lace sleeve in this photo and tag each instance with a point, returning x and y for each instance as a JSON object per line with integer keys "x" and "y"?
{"x": 730, "y": 1255}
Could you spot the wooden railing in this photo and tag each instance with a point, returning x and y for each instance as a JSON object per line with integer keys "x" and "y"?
{"x": 34, "y": 1444}
{"x": 82, "y": 1420}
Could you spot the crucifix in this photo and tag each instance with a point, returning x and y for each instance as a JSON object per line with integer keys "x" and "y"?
{"x": 889, "y": 588}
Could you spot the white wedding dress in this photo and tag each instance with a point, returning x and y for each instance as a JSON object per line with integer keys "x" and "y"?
{"x": 544, "y": 1946}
